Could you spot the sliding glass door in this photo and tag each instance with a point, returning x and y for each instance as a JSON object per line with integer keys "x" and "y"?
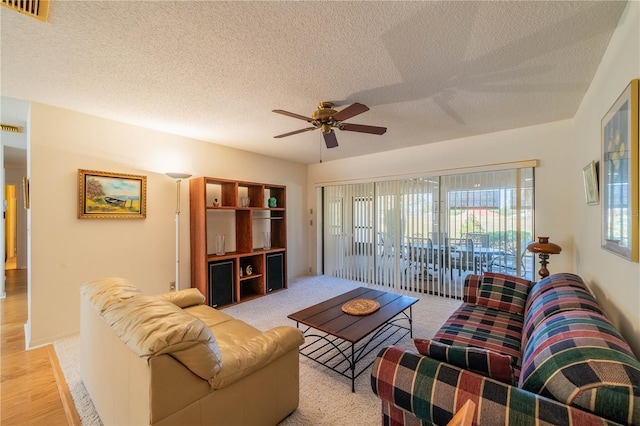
{"x": 426, "y": 234}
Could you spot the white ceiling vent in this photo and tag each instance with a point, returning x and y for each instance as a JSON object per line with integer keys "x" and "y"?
{"x": 10, "y": 128}
{"x": 38, "y": 9}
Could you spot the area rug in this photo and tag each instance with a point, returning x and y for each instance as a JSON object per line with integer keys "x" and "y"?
{"x": 325, "y": 396}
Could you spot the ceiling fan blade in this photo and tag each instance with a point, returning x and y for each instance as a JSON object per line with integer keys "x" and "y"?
{"x": 350, "y": 111}
{"x": 375, "y": 130}
{"x": 295, "y": 132}
{"x": 330, "y": 139}
{"x": 293, "y": 114}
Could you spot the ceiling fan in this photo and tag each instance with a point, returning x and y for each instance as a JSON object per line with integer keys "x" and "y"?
{"x": 326, "y": 119}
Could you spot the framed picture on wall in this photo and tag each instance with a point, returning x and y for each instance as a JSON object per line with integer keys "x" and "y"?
{"x": 590, "y": 177}
{"x": 619, "y": 174}
{"x": 107, "y": 195}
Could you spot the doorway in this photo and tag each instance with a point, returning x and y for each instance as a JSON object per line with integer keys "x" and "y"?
{"x": 10, "y": 228}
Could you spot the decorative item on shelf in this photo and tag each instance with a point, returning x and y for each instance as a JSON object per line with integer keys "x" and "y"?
{"x": 216, "y": 203}
{"x": 245, "y": 201}
{"x": 241, "y": 272}
{"x": 544, "y": 248}
{"x": 249, "y": 270}
{"x": 273, "y": 202}
{"x": 266, "y": 238}
{"x": 220, "y": 244}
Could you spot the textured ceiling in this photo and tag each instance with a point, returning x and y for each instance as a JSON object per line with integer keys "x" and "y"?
{"x": 429, "y": 71}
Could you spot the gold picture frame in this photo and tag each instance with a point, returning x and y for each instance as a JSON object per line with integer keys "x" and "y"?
{"x": 590, "y": 177}
{"x": 619, "y": 174}
{"x": 107, "y": 195}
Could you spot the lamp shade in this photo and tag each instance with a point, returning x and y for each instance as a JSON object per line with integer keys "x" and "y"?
{"x": 544, "y": 246}
{"x": 180, "y": 176}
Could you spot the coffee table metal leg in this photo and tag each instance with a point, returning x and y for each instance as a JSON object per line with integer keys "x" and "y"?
{"x": 353, "y": 368}
{"x": 394, "y": 333}
{"x": 411, "y": 321}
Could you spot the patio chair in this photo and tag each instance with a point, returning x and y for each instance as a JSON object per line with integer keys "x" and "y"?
{"x": 461, "y": 255}
{"x": 508, "y": 262}
{"x": 419, "y": 254}
{"x": 480, "y": 239}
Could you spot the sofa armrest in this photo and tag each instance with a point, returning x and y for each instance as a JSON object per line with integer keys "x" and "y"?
{"x": 252, "y": 354}
{"x": 433, "y": 391}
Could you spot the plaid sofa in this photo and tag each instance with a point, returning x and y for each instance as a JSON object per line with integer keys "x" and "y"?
{"x": 526, "y": 354}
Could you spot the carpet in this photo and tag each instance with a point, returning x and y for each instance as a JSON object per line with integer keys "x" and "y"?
{"x": 325, "y": 396}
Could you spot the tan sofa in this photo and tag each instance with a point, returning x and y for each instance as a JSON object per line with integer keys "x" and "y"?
{"x": 171, "y": 360}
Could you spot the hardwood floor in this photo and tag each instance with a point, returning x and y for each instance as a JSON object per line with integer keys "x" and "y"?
{"x": 32, "y": 389}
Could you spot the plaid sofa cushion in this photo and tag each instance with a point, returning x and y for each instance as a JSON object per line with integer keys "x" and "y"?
{"x": 577, "y": 357}
{"x": 504, "y": 292}
{"x": 485, "y": 328}
{"x": 554, "y": 300}
{"x": 433, "y": 391}
{"x": 470, "y": 289}
{"x": 563, "y": 279}
{"x": 482, "y": 361}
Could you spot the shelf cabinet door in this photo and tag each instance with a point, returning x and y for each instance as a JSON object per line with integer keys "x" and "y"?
{"x": 221, "y": 283}
{"x": 275, "y": 271}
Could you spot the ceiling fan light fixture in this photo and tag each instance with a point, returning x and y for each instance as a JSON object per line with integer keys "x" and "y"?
{"x": 326, "y": 118}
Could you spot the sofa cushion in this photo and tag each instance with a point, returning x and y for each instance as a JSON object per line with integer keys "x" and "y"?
{"x": 577, "y": 357}
{"x": 471, "y": 286}
{"x": 184, "y": 298}
{"x": 423, "y": 391}
{"x": 481, "y": 361}
{"x": 554, "y": 300}
{"x": 104, "y": 292}
{"x": 151, "y": 326}
{"x": 504, "y": 292}
{"x": 485, "y": 328}
{"x": 562, "y": 279}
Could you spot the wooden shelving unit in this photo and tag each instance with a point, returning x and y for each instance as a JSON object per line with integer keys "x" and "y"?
{"x": 216, "y": 207}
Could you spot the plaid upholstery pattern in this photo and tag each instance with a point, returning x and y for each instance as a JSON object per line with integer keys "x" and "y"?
{"x": 481, "y": 361}
{"x": 433, "y": 391}
{"x": 579, "y": 358}
{"x": 576, "y": 367}
{"x": 486, "y": 328}
{"x": 555, "y": 300}
{"x": 563, "y": 279}
{"x": 470, "y": 289}
{"x": 504, "y": 292}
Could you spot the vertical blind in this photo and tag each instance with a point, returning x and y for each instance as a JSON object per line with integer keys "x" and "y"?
{"x": 426, "y": 234}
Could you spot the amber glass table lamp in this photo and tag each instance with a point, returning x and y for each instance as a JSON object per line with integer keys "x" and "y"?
{"x": 544, "y": 248}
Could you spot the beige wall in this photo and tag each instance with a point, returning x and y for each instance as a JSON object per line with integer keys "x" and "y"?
{"x": 563, "y": 148}
{"x": 615, "y": 281}
{"x": 66, "y": 251}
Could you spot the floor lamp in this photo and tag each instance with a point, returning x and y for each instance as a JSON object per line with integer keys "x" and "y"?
{"x": 178, "y": 177}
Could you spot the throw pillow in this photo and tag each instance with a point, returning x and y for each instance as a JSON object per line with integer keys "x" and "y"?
{"x": 504, "y": 292}
{"x": 184, "y": 298}
{"x": 482, "y": 361}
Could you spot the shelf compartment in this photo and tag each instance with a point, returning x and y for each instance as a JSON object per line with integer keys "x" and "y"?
{"x": 252, "y": 287}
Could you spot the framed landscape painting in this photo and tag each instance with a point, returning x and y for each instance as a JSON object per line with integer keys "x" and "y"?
{"x": 619, "y": 174}
{"x": 106, "y": 195}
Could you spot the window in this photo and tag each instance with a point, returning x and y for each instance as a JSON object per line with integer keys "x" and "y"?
{"x": 426, "y": 234}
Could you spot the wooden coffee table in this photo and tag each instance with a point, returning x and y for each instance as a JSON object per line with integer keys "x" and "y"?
{"x": 341, "y": 343}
